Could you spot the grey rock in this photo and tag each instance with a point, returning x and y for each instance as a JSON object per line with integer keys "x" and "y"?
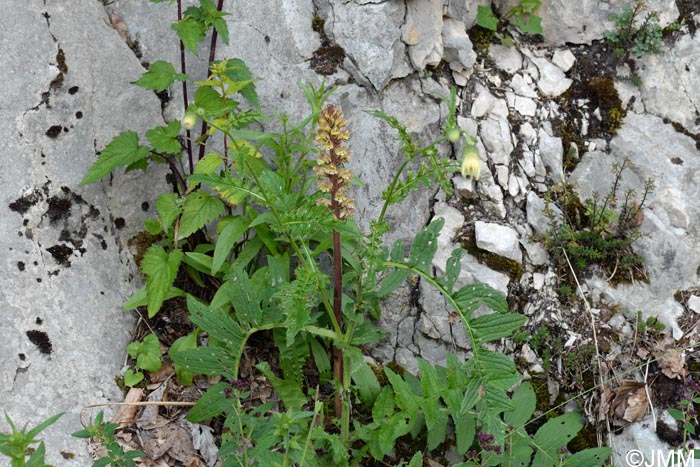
{"x": 459, "y": 52}
{"x": 502, "y": 176}
{"x": 564, "y": 59}
{"x": 537, "y": 255}
{"x": 528, "y": 133}
{"x": 499, "y": 111}
{"x": 422, "y": 32}
{"x": 464, "y": 11}
{"x": 370, "y": 34}
{"x": 536, "y": 215}
{"x": 694, "y": 304}
{"x": 670, "y": 81}
{"x": 670, "y": 253}
{"x": 507, "y": 59}
{"x": 499, "y": 239}
{"x": 483, "y": 103}
{"x": 66, "y": 288}
{"x": 490, "y": 193}
{"x": 641, "y": 437}
{"x": 552, "y": 154}
{"x": 551, "y": 82}
{"x": 523, "y": 105}
{"x": 497, "y": 140}
{"x": 521, "y": 87}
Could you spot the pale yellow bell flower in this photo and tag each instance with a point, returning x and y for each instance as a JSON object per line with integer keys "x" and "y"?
{"x": 471, "y": 164}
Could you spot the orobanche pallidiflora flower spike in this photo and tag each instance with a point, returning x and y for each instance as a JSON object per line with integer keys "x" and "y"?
{"x": 333, "y": 178}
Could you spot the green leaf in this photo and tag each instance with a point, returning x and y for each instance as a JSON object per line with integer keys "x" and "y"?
{"x": 384, "y": 405}
{"x": 366, "y": 383}
{"x": 146, "y": 353}
{"x": 465, "y": 430}
{"x": 210, "y": 405}
{"x": 320, "y": 356}
{"x": 122, "y": 150}
{"x": 533, "y": 25}
{"x": 530, "y": 6}
{"x": 495, "y": 326}
{"x": 43, "y": 425}
{"x": 392, "y": 282}
{"x": 554, "y": 434}
{"x": 187, "y": 342}
{"x": 234, "y": 228}
{"x": 676, "y": 414}
{"x": 152, "y": 226}
{"x": 140, "y": 298}
{"x": 168, "y": 209}
{"x": 159, "y": 76}
{"x": 208, "y": 164}
{"x": 289, "y": 391}
{"x": 486, "y": 19}
{"x": 160, "y": 269}
{"x": 425, "y": 245}
{"x": 436, "y": 435}
{"x": 37, "y": 458}
{"x": 592, "y": 457}
{"x": 164, "y": 138}
{"x": 132, "y": 378}
{"x": 471, "y": 296}
{"x": 200, "y": 208}
{"x": 191, "y": 32}
{"x": 208, "y": 99}
{"x": 524, "y": 402}
{"x": 237, "y": 70}
{"x": 209, "y": 361}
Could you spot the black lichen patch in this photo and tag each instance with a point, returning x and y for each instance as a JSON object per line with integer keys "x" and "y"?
{"x": 22, "y": 357}
{"x": 54, "y": 131}
{"x": 39, "y": 321}
{"x": 41, "y": 340}
{"x": 145, "y": 206}
{"x": 20, "y": 265}
{"x": 59, "y": 208}
{"x": 119, "y": 222}
{"x": 78, "y": 115}
{"x": 22, "y": 204}
{"x": 103, "y": 243}
{"x": 73, "y": 90}
{"x": 61, "y": 253}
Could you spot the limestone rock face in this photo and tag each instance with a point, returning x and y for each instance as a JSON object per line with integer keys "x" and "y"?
{"x": 67, "y": 271}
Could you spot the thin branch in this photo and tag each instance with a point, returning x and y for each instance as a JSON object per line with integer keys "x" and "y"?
{"x": 185, "y": 100}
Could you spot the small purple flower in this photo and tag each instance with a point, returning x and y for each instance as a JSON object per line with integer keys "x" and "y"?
{"x": 240, "y": 384}
{"x": 472, "y": 454}
{"x": 485, "y": 438}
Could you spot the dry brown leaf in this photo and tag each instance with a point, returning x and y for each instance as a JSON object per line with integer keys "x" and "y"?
{"x": 432, "y": 463}
{"x": 670, "y": 359}
{"x": 165, "y": 372}
{"x": 630, "y": 403}
{"x": 173, "y": 440}
{"x": 126, "y": 413}
{"x": 606, "y": 398}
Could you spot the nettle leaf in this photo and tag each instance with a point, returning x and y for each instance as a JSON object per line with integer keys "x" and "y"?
{"x": 164, "y": 138}
{"x": 554, "y": 434}
{"x": 208, "y": 164}
{"x": 168, "y": 209}
{"x": 200, "y": 208}
{"x": 531, "y": 25}
{"x": 524, "y": 401}
{"x": 486, "y": 19}
{"x": 495, "y": 326}
{"x": 187, "y": 342}
{"x": 190, "y": 31}
{"x": 146, "y": 353}
{"x": 159, "y": 76}
{"x": 123, "y": 150}
{"x": 160, "y": 269}
{"x": 208, "y": 99}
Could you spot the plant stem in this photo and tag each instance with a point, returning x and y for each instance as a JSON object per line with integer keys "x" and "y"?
{"x": 185, "y": 100}
{"x": 338, "y": 312}
{"x": 212, "y": 56}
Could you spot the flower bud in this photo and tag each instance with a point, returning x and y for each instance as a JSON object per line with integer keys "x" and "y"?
{"x": 189, "y": 120}
{"x": 453, "y": 134}
{"x": 471, "y": 164}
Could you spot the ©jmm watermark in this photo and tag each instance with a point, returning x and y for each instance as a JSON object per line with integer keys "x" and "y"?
{"x": 661, "y": 458}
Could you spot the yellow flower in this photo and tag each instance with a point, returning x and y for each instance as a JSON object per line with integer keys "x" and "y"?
{"x": 471, "y": 164}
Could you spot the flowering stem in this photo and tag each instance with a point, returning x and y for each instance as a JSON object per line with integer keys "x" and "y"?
{"x": 185, "y": 100}
{"x": 338, "y": 313}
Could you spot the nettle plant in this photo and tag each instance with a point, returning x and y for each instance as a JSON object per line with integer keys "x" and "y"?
{"x": 264, "y": 219}
{"x": 522, "y": 15}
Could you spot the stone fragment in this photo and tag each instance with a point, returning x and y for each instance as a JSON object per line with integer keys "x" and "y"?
{"x": 422, "y": 32}
{"x": 522, "y": 105}
{"x": 483, "y": 102}
{"x": 694, "y": 304}
{"x": 551, "y": 80}
{"x": 459, "y": 52}
{"x": 507, "y": 59}
{"x": 521, "y": 87}
{"x": 552, "y": 154}
{"x": 564, "y": 59}
{"x": 497, "y": 140}
{"x": 537, "y": 255}
{"x": 499, "y": 239}
{"x": 536, "y": 215}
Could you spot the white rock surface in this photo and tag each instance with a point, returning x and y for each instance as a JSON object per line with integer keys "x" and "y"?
{"x": 459, "y": 52}
{"x": 499, "y": 239}
{"x": 694, "y": 304}
{"x": 507, "y": 59}
{"x": 497, "y": 139}
{"x": 521, "y": 87}
{"x": 422, "y": 32}
{"x": 552, "y": 154}
{"x": 551, "y": 82}
{"x": 564, "y": 59}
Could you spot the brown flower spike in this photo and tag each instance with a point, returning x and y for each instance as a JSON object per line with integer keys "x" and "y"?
{"x": 334, "y": 179}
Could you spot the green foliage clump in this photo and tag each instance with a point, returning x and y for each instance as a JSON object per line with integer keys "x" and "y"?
{"x": 103, "y": 433}
{"x": 522, "y": 15}
{"x": 632, "y": 37}
{"x": 599, "y": 231}
{"x": 17, "y": 444}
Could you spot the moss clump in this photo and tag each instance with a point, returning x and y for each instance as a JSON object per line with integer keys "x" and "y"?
{"x": 603, "y": 95}
{"x": 317, "y": 24}
{"x": 139, "y": 243}
{"x": 481, "y": 38}
{"x": 510, "y": 267}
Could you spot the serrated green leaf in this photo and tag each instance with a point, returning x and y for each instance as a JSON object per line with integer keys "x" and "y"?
{"x": 187, "y": 342}
{"x": 384, "y": 405}
{"x": 495, "y": 326}
{"x": 210, "y": 405}
{"x": 146, "y": 353}
{"x": 486, "y": 19}
{"x": 366, "y": 383}
{"x": 392, "y": 282}
{"x": 209, "y": 361}
{"x": 289, "y": 391}
{"x": 132, "y": 378}
{"x": 453, "y": 268}
{"x": 498, "y": 369}
{"x": 592, "y": 457}
{"x": 160, "y": 269}
{"x": 405, "y": 398}
{"x": 122, "y": 150}
{"x": 465, "y": 430}
{"x": 471, "y": 296}
{"x": 191, "y": 32}
{"x": 140, "y": 298}
{"x": 524, "y": 401}
{"x": 425, "y": 245}
{"x": 152, "y": 226}
{"x": 168, "y": 209}
{"x": 233, "y": 230}
{"x": 164, "y": 138}
{"x": 159, "y": 76}
{"x": 208, "y": 164}
{"x": 208, "y": 99}
{"x": 237, "y": 70}
{"x": 436, "y": 435}
{"x": 429, "y": 381}
{"x": 471, "y": 396}
{"x": 199, "y": 209}
{"x": 554, "y": 434}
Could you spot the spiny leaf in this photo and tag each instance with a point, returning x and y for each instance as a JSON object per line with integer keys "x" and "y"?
{"x": 200, "y": 208}
{"x": 159, "y": 76}
{"x": 160, "y": 269}
{"x": 122, "y": 150}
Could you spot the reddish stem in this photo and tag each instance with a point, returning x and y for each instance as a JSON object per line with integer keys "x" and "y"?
{"x": 183, "y": 70}
{"x": 338, "y": 312}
